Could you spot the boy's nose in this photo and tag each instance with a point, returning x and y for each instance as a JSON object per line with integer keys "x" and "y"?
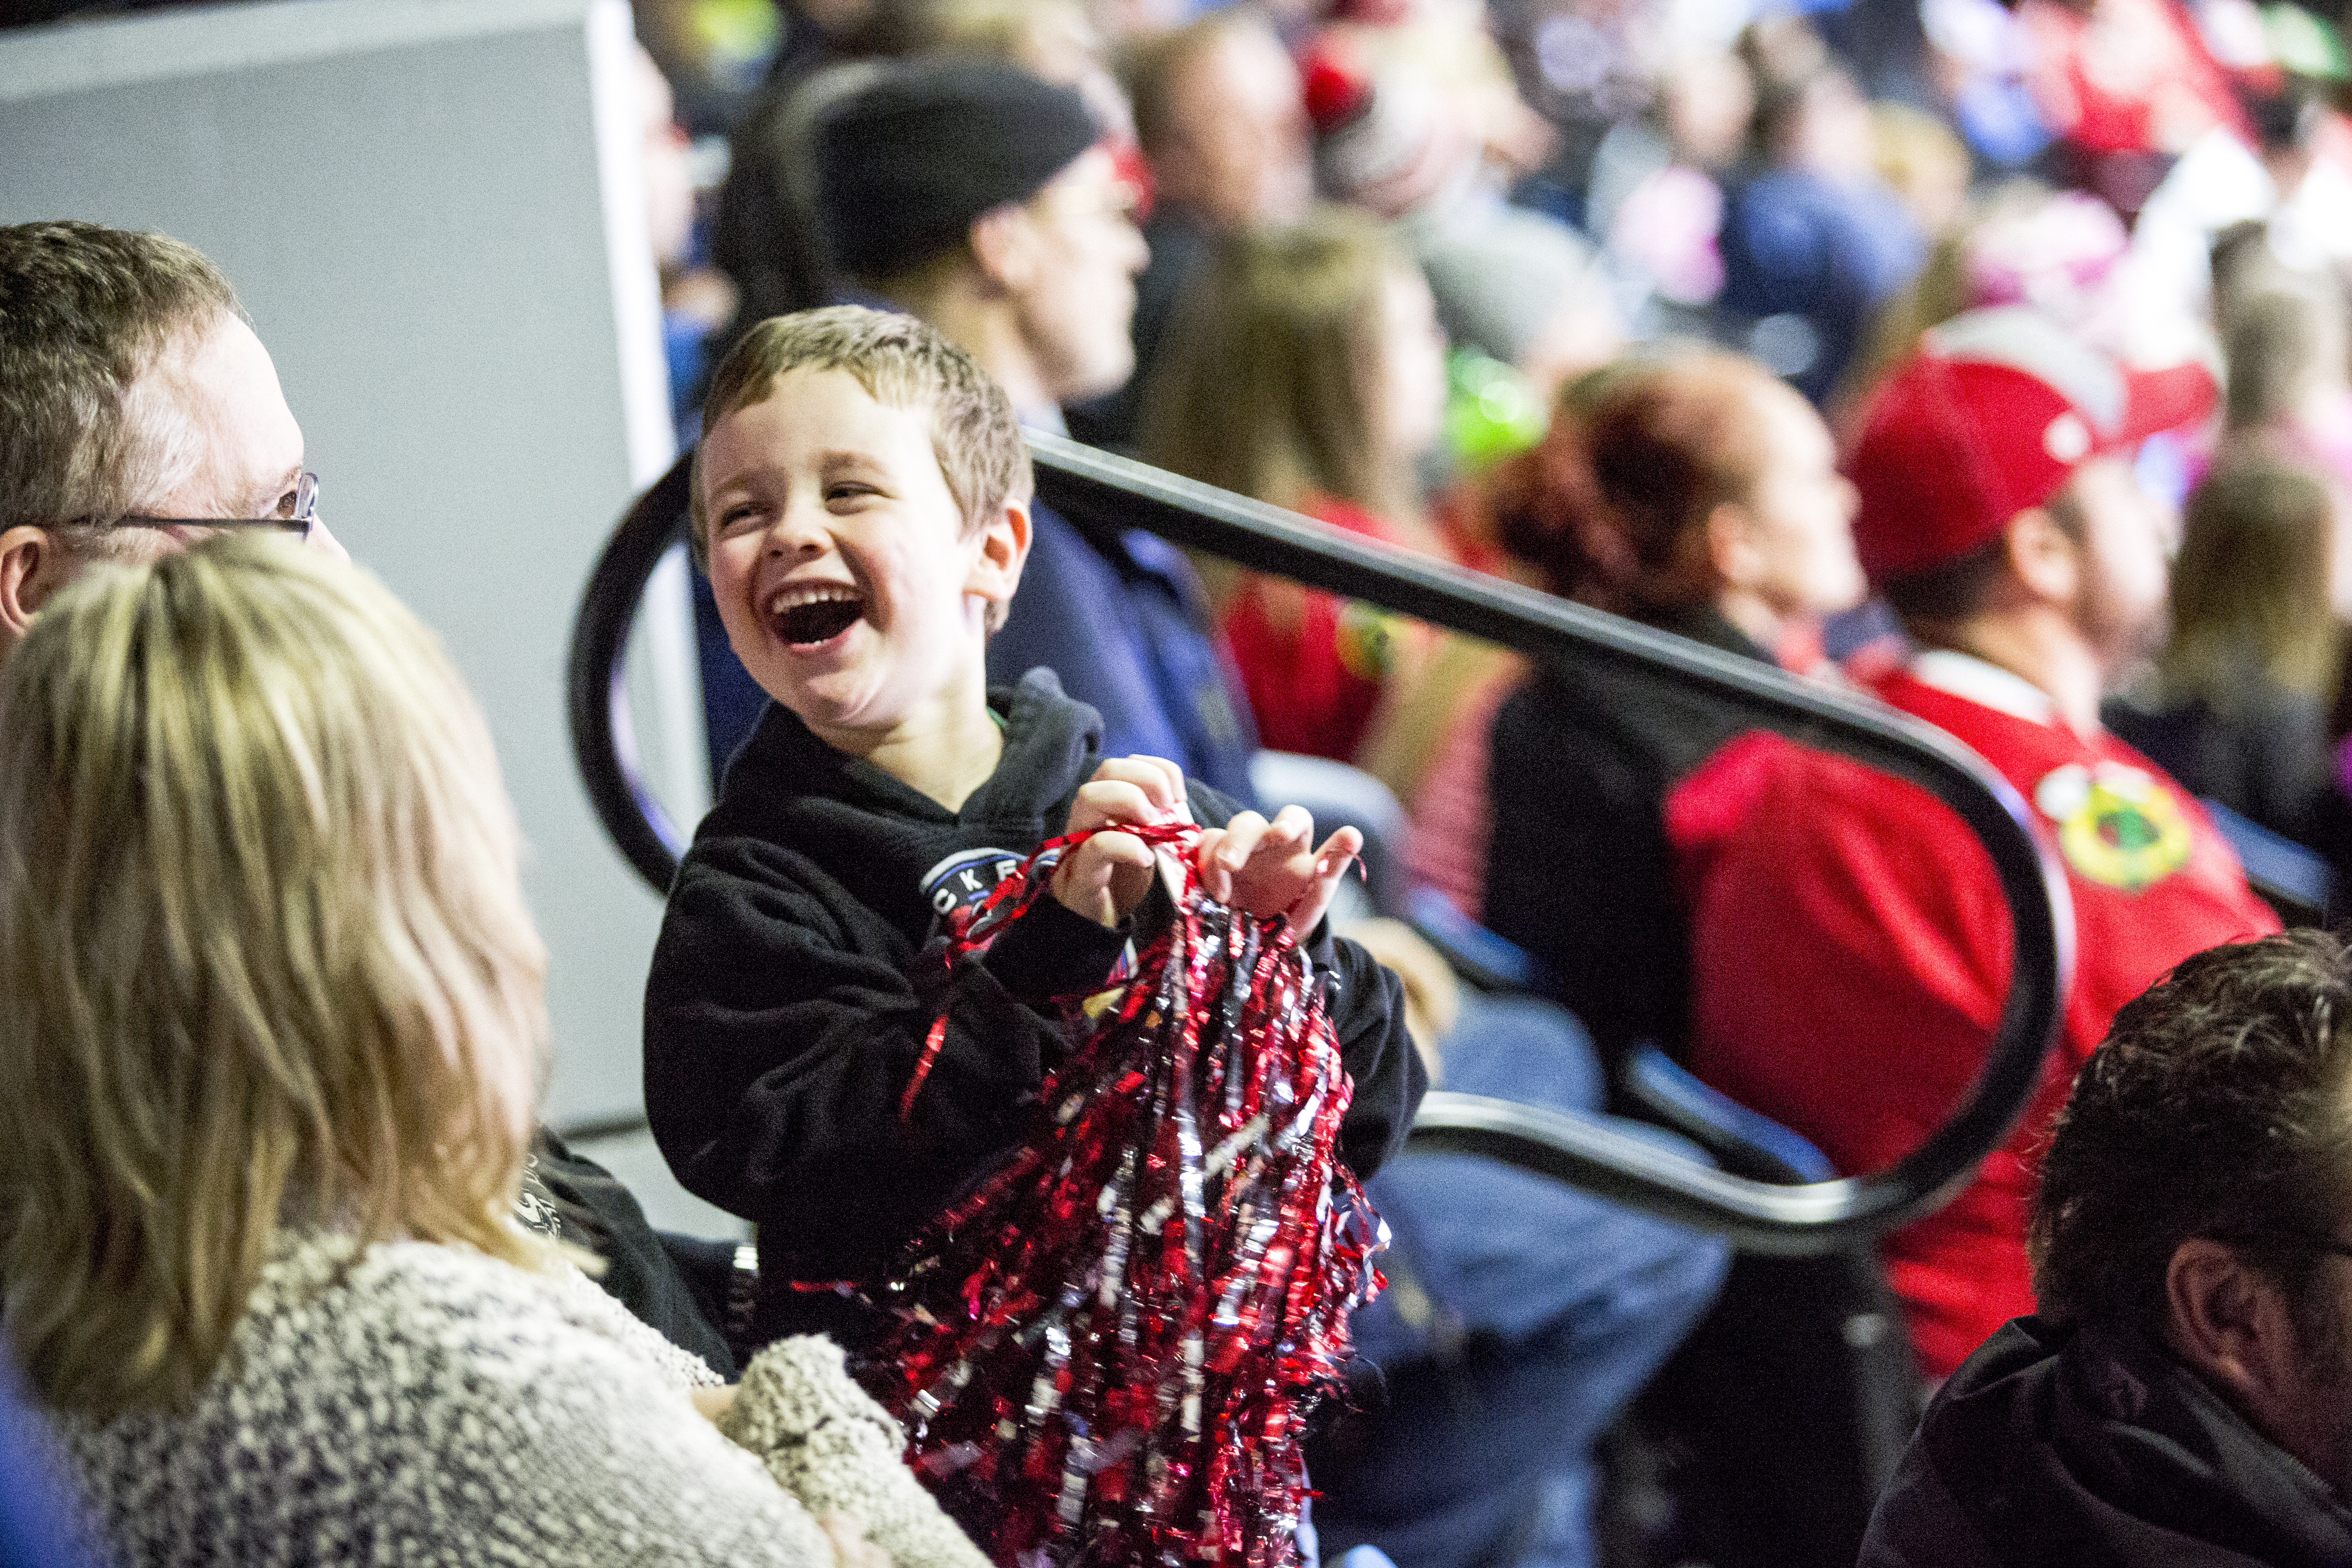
{"x": 799, "y": 530}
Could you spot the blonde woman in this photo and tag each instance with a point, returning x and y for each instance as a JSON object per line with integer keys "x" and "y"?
{"x": 270, "y": 1060}
{"x": 1305, "y": 368}
{"x": 2236, "y": 706}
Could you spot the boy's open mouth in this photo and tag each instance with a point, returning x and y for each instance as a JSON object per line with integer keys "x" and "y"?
{"x": 805, "y": 617}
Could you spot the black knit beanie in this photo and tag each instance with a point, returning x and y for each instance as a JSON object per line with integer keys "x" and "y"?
{"x": 904, "y": 166}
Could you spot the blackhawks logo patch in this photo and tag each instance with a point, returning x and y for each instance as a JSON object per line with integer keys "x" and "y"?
{"x": 2116, "y": 824}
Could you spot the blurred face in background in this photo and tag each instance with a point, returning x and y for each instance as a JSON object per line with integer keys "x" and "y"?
{"x": 1070, "y": 270}
{"x": 669, "y": 185}
{"x": 1410, "y": 394}
{"x": 1799, "y": 515}
{"x": 1240, "y": 151}
{"x": 2126, "y": 571}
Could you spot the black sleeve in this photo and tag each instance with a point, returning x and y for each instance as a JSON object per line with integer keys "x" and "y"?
{"x": 783, "y": 1023}
{"x": 640, "y": 1270}
{"x": 1368, "y": 1012}
{"x": 1584, "y": 882}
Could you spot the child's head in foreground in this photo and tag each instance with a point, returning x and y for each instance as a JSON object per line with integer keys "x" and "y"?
{"x": 860, "y": 501}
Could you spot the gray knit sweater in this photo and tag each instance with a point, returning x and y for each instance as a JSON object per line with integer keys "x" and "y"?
{"x": 417, "y": 1404}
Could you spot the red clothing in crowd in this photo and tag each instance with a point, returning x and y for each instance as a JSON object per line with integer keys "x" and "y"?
{"x": 1849, "y": 951}
{"x": 1313, "y": 685}
{"x": 2133, "y": 76}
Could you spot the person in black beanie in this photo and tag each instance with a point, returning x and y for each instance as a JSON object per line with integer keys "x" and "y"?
{"x": 979, "y": 198}
{"x": 987, "y": 203}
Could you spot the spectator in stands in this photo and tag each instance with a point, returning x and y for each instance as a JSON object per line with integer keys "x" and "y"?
{"x": 1849, "y": 949}
{"x": 140, "y": 408}
{"x": 134, "y": 394}
{"x": 2180, "y": 1397}
{"x": 2061, "y": 252}
{"x": 1521, "y": 1316}
{"x": 274, "y": 1042}
{"x": 1305, "y": 368}
{"x": 2128, "y": 85}
{"x": 1813, "y": 242}
{"x": 2290, "y": 379}
{"x": 1417, "y": 121}
{"x": 1700, "y": 495}
{"x": 2236, "y": 708}
{"x": 980, "y": 199}
{"x": 1222, "y": 130}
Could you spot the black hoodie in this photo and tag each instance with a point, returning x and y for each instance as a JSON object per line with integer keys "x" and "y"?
{"x": 2092, "y": 1448}
{"x": 798, "y": 973}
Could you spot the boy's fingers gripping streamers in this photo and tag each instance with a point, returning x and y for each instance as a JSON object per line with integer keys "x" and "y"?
{"x": 1104, "y": 876}
{"x": 1104, "y": 1353}
{"x": 1268, "y": 868}
{"x": 1158, "y": 783}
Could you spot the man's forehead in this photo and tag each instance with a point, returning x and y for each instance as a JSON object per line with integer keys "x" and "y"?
{"x": 248, "y": 447}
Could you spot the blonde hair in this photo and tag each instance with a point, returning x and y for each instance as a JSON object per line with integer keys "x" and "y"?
{"x": 266, "y": 953}
{"x": 2250, "y": 589}
{"x": 1265, "y": 382}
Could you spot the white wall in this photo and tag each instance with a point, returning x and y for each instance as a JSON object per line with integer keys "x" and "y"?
{"x": 408, "y": 195}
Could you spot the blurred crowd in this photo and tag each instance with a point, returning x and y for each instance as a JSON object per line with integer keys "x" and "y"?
{"x": 1548, "y": 188}
{"x": 1663, "y": 307}
{"x": 1989, "y": 360}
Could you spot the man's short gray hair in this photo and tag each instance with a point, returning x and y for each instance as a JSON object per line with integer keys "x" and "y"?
{"x": 85, "y": 312}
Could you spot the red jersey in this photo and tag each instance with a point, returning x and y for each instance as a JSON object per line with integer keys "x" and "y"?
{"x": 1313, "y": 685}
{"x": 1849, "y": 951}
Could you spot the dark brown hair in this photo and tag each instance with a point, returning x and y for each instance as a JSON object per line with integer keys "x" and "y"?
{"x": 1639, "y": 454}
{"x": 2214, "y": 1108}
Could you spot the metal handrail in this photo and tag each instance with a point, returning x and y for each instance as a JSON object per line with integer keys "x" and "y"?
{"x": 1097, "y": 489}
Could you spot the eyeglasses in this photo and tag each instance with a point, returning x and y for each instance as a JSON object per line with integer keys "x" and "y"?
{"x": 301, "y": 515}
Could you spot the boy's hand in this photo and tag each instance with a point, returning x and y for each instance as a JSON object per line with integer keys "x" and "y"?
{"x": 1105, "y": 877}
{"x": 1269, "y": 868}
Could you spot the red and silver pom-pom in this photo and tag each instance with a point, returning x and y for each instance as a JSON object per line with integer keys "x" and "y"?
{"x": 1104, "y": 1354}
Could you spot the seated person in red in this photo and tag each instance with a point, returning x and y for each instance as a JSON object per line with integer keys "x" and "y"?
{"x": 1699, "y": 494}
{"x": 1305, "y": 368}
{"x": 1849, "y": 945}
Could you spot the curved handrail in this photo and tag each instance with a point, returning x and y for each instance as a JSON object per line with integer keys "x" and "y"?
{"x": 603, "y": 733}
{"x": 1097, "y": 489}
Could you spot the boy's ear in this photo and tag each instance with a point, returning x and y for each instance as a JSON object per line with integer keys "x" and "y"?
{"x": 1003, "y": 548}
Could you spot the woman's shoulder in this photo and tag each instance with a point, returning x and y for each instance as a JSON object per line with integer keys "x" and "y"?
{"x": 383, "y": 1390}
{"x": 432, "y": 1311}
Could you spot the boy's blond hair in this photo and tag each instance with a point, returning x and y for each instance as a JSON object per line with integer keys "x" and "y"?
{"x": 902, "y": 362}
{"x": 266, "y": 953}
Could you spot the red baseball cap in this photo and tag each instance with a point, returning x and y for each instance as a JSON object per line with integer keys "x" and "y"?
{"x": 1991, "y": 416}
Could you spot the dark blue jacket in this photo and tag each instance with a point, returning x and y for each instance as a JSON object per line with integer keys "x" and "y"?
{"x": 1121, "y": 619}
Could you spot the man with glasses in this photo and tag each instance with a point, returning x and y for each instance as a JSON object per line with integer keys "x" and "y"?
{"x": 138, "y": 413}
{"x": 2184, "y": 1393}
{"x": 138, "y": 410}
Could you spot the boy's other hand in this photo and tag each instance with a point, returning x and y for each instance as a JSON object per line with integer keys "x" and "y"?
{"x": 1106, "y": 877}
{"x": 1270, "y": 868}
